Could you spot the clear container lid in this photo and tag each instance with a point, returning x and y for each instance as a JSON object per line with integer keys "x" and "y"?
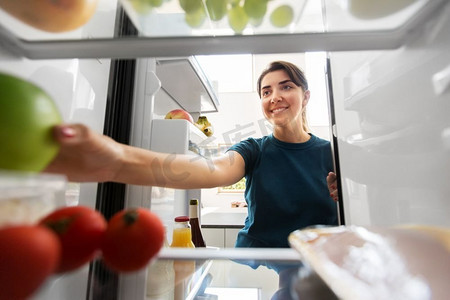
{"x": 27, "y": 197}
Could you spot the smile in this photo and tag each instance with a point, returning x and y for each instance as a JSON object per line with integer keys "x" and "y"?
{"x": 278, "y": 110}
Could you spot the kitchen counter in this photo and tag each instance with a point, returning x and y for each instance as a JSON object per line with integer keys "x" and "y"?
{"x": 219, "y": 217}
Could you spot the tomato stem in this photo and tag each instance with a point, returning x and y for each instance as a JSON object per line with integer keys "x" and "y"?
{"x": 130, "y": 217}
{"x": 59, "y": 226}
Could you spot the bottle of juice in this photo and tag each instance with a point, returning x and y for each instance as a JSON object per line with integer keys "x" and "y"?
{"x": 182, "y": 235}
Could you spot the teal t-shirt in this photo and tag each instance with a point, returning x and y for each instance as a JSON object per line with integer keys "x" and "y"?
{"x": 286, "y": 189}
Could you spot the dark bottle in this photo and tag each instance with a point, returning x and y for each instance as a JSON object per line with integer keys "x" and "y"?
{"x": 197, "y": 237}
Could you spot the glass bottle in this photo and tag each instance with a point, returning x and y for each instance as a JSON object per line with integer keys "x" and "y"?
{"x": 182, "y": 235}
{"x": 197, "y": 237}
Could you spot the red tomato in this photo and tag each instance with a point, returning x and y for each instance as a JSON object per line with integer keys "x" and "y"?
{"x": 132, "y": 239}
{"x": 80, "y": 230}
{"x": 28, "y": 255}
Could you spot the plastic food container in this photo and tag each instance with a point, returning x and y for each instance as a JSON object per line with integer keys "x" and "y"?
{"x": 27, "y": 197}
{"x": 410, "y": 261}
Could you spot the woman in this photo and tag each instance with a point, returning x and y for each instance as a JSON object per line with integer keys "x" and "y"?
{"x": 288, "y": 173}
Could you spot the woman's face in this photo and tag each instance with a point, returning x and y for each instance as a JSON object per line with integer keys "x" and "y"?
{"x": 282, "y": 100}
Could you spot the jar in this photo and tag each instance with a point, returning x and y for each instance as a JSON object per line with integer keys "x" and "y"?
{"x": 182, "y": 235}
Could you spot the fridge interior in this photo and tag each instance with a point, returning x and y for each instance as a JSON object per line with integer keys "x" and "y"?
{"x": 393, "y": 163}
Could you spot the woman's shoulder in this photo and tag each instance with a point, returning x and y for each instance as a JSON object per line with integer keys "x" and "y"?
{"x": 251, "y": 147}
{"x": 320, "y": 141}
{"x": 253, "y": 142}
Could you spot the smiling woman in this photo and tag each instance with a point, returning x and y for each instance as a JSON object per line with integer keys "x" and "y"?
{"x": 236, "y": 80}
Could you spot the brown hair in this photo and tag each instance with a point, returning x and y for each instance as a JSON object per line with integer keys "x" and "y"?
{"x": 295, "y": 74}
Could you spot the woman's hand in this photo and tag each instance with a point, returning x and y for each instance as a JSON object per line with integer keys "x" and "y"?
{"x": 84, "y": 155}
{"x": 332, "y": 186}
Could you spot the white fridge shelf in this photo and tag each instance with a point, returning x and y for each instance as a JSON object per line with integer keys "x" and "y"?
{"x": 319, "y": 26}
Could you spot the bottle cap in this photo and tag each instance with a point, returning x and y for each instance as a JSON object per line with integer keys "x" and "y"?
{"x": 193, "y": 202}
{"x": 182, "y": 219}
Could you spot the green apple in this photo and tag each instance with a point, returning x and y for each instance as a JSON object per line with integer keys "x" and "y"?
{"x": 255, "y": 22}
{"x": 140, "y": 6}
{"x": 27, "y": 115}
{"x": 190, "y": 6}
{"x": 282, "y": 16}
{"x": 217, "y": 9}
{"x": 237, "y": 18}
{"x": 145, "y": 6}
{"x": 196, "y": 18}
{"x": 156, "y": 3}
{"x": 255, "y": 9}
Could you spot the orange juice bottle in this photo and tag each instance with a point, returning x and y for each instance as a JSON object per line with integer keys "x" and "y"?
{"x": 182, "y": 235}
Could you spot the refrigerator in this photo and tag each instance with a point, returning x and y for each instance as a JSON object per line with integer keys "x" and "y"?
{"x": 388, "y": 86}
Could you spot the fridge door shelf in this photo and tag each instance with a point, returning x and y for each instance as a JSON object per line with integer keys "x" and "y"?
{"x": 184, "y": 85}
{"x": 320, "y": 26}
{"x": 182, "y": 132}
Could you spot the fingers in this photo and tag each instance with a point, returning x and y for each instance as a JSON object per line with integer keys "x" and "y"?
{"x": 332, "y": 180}
{"x": 331, "y": 177}
{"x": 69, "y": 137}
{"x": 334, "y": 195}
{"x": 332, "y": 185}
{"x": 70, "y": 133}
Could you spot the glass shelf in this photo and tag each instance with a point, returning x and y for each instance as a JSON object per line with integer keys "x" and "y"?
{"x": 217, "y": 274}
{"x": 211, "y": 273}
{"x": 327, "y": 25}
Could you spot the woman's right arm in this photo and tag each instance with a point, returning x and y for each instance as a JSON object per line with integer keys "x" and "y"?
{"x": 87, "y": 156}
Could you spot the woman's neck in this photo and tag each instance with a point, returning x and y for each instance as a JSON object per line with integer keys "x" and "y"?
{"x": 291, "y": 136}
